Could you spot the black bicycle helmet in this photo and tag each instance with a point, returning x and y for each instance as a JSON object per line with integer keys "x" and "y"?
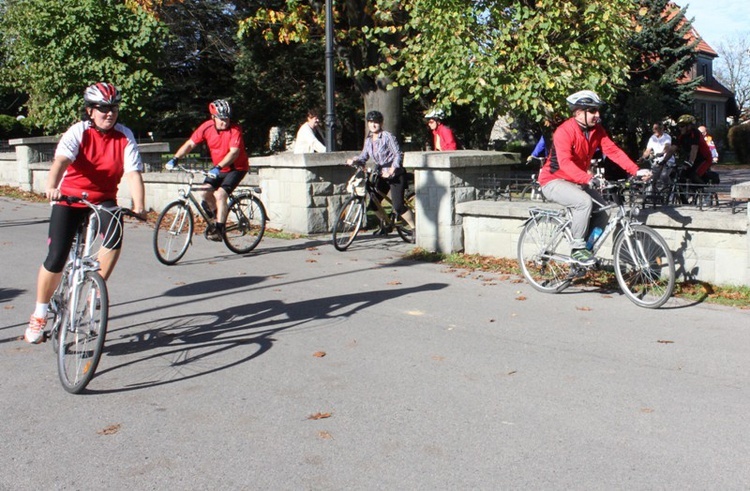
{"x": 375, "y": 116}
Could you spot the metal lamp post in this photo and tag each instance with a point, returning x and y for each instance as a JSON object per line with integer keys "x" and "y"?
{"x": 330, "y": 88}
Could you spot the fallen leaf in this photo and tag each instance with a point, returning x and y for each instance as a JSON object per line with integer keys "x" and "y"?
{"x": 312, "y": 249}
{"x": 311, "y": 261}
{"x": 110, "y": 430}
{"x": 8, "y": 307}
{"x": 585, "y": 309}
{"x": 319, "y": 416}
{"x": 325, "y": 435}
{"x": 521, "y": 298}
{"x": 664, "y": 341}
{"x": 513, "y": 372}
{"x": 414, "y": 312}
{"x": 319, "y": 354}
{"x": 647, "y": 410}
{"x": 394, "y": 282}
{"x": 438, "y": 358}
{"x": 492, "y": 320}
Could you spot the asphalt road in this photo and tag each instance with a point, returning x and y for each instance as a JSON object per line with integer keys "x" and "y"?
{"x": 432, "y": 378}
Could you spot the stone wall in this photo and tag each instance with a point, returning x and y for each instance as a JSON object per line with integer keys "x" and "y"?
{"x": 708, "y": 245}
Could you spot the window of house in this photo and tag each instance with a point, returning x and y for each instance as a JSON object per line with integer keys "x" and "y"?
{"x": 714, "y": 115}
{"x": 702, "y": 113}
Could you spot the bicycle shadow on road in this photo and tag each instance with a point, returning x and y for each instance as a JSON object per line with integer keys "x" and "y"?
{"x": 195, "y": 343}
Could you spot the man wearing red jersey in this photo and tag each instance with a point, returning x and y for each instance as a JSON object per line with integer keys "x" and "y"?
{"x": 227, "y": 148}
{"x": 565, "y": 176}
{"x": 91, "y": 157}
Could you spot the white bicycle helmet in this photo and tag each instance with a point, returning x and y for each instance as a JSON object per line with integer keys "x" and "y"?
{"x": 437, "y": 114}
{"x": 584, "y": 99}
{"x": 101, "y": 93}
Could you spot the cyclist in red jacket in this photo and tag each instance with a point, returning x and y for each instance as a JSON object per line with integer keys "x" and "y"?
{"x": 91, "y": 157}
{"x": 565, "y": 177}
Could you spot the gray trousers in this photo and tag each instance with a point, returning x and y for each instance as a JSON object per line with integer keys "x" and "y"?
{"x": 580, "y": 201}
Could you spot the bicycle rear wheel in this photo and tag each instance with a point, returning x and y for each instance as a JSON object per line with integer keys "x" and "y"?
{"x": 537, "y": 246}
{"x": 82, "y": 332}
{"x": 348, "y": 222}
{"x": 405, "y": 231}
{"x": 246, "y": 224}
{"x": 173, "y": 232}
{"x": 644, "y": 267}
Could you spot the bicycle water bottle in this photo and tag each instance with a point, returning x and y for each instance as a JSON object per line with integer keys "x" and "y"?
{"x": 593, "y": 237}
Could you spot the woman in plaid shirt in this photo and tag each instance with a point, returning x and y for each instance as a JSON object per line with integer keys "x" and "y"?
{"x": 381, "y": 146}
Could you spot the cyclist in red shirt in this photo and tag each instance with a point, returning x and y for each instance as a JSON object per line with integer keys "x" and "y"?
{"x": 565, "y": 176}
{"x": 227, "y": 148}
{"x": 91, "y": 157}
{"x": 695, "y": 150}
{"x": 442, "y": 136}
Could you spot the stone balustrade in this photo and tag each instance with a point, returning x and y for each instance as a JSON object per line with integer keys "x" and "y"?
{"x": 302, "y": 194}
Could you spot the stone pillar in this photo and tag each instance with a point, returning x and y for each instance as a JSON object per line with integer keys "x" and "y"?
{"x": 442, "y": 181}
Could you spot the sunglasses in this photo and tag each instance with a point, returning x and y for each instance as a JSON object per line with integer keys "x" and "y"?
{"x": 592, "y": 110}
{"x": 107, "y": 109}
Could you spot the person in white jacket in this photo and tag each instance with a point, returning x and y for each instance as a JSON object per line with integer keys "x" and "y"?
{"x": 308, "y": 138}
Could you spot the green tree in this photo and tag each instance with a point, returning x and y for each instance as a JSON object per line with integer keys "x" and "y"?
{"x": 197, "y": 64}
{"x": 360, "y": 28}
{"x": 513, "y": 56}
{"x": 52, "y": 50}
{"x": 663, "y": 52}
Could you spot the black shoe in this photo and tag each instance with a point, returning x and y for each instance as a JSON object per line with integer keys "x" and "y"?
{"x": 207, "y": 209}
{"x": 382, "y": 230}
{"x": 214, "y": 233}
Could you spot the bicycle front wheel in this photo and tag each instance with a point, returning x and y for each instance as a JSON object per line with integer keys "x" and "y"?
{"x": 348, "y": 222}
{"x": 537, "y": 254}
{"x": 644, "y": 266}
{"x": 246, "y": 224}
{"x": 173, "y": 232}
{"x": 82, "y": 332}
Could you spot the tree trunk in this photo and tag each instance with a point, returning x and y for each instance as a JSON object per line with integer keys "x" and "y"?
{"x": 387, "y": 102}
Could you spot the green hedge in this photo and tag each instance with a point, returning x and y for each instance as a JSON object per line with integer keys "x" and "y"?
{"x": 739, "y": 141}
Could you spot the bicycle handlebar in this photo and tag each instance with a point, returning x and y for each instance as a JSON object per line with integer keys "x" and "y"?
{"x": 83, "y": 199}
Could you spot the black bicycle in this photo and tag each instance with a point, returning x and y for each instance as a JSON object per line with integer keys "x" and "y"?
{"x": 173, "y": 234}
{"x": 364, "y": 195}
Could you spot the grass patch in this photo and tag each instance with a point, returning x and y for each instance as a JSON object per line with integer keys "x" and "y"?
{"x": 696, "y": 291}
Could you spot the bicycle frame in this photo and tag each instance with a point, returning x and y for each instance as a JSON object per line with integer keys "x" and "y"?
{"x": 624, "y": 218}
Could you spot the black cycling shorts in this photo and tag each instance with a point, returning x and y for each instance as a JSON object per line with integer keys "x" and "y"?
{"x": 228, "y": 181}
{"x": 63, "y": 225}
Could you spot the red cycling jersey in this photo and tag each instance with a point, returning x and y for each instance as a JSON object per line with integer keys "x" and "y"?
{"x": 573, "y": 149}
{"x": 219, "y": 143}
{"x": 99, "y": 160}
{"x": 703, "y": 159}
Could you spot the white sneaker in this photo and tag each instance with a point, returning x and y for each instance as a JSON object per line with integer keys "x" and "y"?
{"x": 35, "y": 332}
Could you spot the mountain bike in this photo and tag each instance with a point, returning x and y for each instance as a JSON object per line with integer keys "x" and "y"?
{"x": 643, "y": 263}
{"x": 80, "y": 304}
{"x": 173, "y": 234}
{"x": 364, "y": 195}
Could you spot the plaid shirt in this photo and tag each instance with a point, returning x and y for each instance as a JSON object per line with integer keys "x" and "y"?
{"x": 384, "y": 150}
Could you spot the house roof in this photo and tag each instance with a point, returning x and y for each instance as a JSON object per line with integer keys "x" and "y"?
{"x": 703, "y": 47}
